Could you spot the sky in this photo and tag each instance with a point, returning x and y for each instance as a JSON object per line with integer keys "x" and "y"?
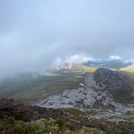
{"x": 36, "y": 34}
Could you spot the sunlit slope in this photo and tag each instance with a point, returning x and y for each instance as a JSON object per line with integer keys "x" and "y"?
{"x": 128, "y": 69}
{"x": 72, "y": 68}
{"x": 28, "y": 88}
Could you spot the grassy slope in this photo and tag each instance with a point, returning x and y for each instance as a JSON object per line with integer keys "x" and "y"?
{"x": 128, "y": 69}
{"x": 123, "y": 95}
{"x": 26, "y": 88}
{"x": 36, "y": 120}
{"x": 31, "y": 89}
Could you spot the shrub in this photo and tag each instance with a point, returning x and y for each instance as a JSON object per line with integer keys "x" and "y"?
{"x": 62, "y": 124}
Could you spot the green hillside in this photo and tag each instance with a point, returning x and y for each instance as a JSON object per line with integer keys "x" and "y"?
{"x": 28, "y": 89}
{"x": 17, "y": 118}
{"x": 128, "y": 69}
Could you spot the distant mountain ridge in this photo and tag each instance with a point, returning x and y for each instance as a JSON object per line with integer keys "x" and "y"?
{"x": 91, "y": 66}
{"x": 107, "y": 63}
{"x": 71, "y": 67}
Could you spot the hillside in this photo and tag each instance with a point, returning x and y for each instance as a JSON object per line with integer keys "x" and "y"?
{"x": 128, "y": 69}
{"x": 102, "y": 91}
{"x": 18, "y": 118}
{"x": 26, "y": 88}
{"x": 116, "y": 83}
{"x": 101, "y": 94}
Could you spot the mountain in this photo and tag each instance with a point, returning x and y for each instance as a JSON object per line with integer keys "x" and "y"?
{"x": 69, "y": 68}
{"x": 102, "y": 90}
{"x": 99, "y": 102}
{"x": 107, "y": 63}
{"x": 102, "y": 94}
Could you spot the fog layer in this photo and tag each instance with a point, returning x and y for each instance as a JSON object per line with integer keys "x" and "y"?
{"x": 35, "y": 34}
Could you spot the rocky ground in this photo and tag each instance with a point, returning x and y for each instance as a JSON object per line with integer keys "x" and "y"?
{"x": 96, "y": 93}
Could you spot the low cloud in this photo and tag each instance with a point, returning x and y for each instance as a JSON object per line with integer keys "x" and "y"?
{"x": 82, "y": 58}
{"x": 41, "y": 34}
{"x": 78, "y": 59}
{"x": 115, "y": 57}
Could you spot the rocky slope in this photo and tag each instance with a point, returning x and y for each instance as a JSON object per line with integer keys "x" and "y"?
{"x": 102, "y": 90}
{"x": 105, "y": 77}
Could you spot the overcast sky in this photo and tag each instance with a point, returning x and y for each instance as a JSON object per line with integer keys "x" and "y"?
{"x": 35, "y": 34}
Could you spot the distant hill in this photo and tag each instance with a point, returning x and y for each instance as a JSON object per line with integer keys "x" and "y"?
{"x": 66, "y": 68}
{"x": 107, "y": 63}
{"x": 128, "y": 69}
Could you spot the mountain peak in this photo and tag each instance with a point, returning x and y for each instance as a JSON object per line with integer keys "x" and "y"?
{"x": 107, "y": 77}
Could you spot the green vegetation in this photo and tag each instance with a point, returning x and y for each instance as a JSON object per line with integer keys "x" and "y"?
{"x": 28, "y": 89}
{"x": 42, "y": 126}
{"x": 129, "y": 75}
{"x": 56, "y": 126}
{"x": 75, "y": 112}
{"x": 17, "y": 118}
{"x": 23, "y": 119}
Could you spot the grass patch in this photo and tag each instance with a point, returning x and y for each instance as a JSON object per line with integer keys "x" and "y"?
{"x": 31, "y": 89}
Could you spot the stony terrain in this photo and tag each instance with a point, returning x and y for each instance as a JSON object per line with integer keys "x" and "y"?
{"x": 96, "y": 93}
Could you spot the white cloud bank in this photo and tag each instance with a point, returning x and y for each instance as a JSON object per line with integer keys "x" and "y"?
{"x": 115, "y": 57}
{"x": 81, "y": 58}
